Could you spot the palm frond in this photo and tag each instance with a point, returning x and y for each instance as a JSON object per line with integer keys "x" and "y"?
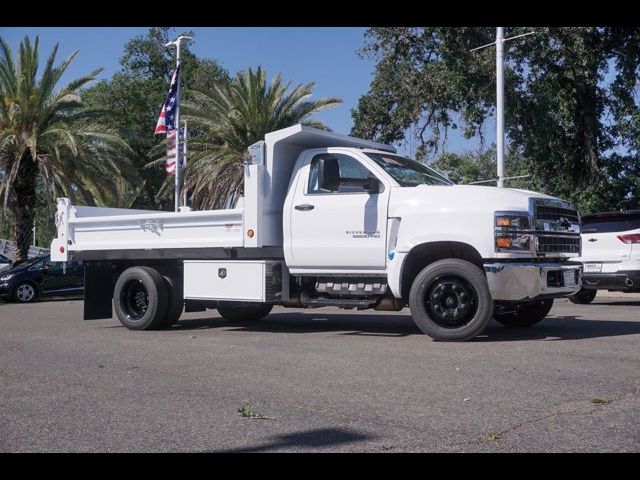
{"x": 232, "y": 116}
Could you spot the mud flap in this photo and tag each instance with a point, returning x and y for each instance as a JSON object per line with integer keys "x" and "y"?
{"x": 98, "y": 290}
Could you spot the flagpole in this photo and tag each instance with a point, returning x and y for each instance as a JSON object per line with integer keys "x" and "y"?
{"x": 184, "y": 165}
{"x": 177, "y": 43}
{"x": 177, "y": 186}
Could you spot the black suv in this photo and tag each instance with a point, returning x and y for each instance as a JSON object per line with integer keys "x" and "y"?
{"x": 39, "y": 277}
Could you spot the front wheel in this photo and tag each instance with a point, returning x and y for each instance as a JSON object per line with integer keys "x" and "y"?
{"x": 450, "y": 300}
{"x": 584, "y": 296}
{"x": 244, "y": 312}
{"x": 25, "y": 292}
{"x": 522, "y": 314}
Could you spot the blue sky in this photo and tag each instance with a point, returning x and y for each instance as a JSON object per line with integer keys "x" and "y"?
{"x": 327, "y": 56}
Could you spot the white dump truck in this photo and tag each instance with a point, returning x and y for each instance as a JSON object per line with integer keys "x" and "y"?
{"x": 331, "y": 220}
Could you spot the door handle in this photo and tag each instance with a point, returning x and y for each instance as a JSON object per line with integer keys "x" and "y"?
{"x": 304, "y": 207}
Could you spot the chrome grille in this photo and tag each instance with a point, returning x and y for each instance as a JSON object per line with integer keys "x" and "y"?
{"x": 545, "y": 212}
{"x": 557, "y": 226}
{"x": 558, "y": 244}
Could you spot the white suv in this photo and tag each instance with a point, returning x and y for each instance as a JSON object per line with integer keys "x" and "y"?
{"x": 610, "y": 253}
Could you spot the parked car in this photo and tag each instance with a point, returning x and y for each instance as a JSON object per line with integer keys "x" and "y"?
{"x": 5, "y": 263}
{"x": 610, "y": 254}
{"x": 39, "y": 277}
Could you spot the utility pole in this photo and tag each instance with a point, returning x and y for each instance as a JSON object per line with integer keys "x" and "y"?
{"x": 177, "y": 42}
{"x": 499, "y": 43}
{"x": 500, "y": 105}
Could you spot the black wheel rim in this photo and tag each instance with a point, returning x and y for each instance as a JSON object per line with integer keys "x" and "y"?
{"x": 451, "y": 302}
{"x": 134, "y": 299}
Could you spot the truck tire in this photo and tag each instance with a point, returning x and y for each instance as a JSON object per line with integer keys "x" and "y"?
{"x": 244, "y": 312}
{"x": 450, "y": 300}
{"x": 524, "y": 314}
{"x": 584, "y": 296}
{"x": 140, "y": 298}
{"x": 175, "y": 302}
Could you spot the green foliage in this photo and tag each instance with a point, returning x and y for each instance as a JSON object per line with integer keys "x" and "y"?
{"x": 50, "y": 141}
{"x": 247, "y": 411}
{"x": 467, "y": 168}
{"x": 480, "y": 166}
{"x": 135, "y": 95}
{"x": 230, "y": 117}
{"x": 571, "y": 108}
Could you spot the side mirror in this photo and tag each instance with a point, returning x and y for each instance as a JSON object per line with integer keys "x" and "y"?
{"x": 329, "y": 174}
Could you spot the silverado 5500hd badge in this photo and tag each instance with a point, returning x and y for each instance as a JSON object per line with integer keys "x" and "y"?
{"x": 363, "y": 233}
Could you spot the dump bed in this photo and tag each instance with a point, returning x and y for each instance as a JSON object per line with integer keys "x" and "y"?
{"x": 100, "y": 233}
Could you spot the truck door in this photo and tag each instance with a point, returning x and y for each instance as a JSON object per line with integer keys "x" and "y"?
{"x": 340, "y": 226}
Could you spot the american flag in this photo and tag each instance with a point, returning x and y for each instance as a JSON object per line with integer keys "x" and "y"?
{"x": 167, "y": 119}
{"x": 171, "y": 151}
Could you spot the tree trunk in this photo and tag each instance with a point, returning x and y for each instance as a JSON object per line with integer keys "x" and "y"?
{"x": 23, "y": 206}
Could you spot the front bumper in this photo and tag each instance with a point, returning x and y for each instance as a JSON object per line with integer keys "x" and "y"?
{"x": 519, "y": 281}
{"x": 623, "y": 281}
{"x": 4, "y": 290}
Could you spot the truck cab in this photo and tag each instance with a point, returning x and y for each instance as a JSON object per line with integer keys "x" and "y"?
{"x": 332, "y": 220}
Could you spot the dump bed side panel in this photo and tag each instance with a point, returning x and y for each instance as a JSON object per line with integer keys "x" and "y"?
{"x": 141, "y": 230}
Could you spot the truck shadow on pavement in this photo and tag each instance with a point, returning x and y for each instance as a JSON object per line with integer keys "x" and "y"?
{"x": 566, "y": 327}
{"x": 378, "y": 325}
{"x": 311, "y": 439}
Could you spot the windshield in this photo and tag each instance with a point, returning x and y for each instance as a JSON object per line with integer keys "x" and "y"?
{"x": 610, "y": 223}
{"x": 30, "y": 262}
{"x": 408, "y": 173}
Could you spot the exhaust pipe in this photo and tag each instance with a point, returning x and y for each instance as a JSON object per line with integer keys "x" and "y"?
{"x": 628, "y": 282}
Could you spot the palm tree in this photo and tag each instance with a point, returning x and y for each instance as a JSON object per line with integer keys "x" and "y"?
{"x": 230, "y": 118}
{"x": 50, "y": 134}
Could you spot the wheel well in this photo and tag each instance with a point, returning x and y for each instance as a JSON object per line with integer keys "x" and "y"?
{"x": 100, "y": 278}
{"x": 424, "y": 254}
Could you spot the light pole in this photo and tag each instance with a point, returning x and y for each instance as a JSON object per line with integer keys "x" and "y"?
{"x": 177, "y": 42}
{"x": 499, "y": 43}
{"x": 500, "y": 105}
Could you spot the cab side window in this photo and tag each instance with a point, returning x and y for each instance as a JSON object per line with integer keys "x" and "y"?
{"x": 350, "y": 169}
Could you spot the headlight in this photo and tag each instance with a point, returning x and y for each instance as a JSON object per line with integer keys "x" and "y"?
{"x": 4, "y": 278}
{"x": 512, "y": 221}
{"x": 513, "y": 232}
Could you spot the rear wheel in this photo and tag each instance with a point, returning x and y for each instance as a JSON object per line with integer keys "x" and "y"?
{"x": 584, "y": 296}
{"x": 140, "y": 298}
{"x": 450, "y": 300}
{"x": 522, "y": 314}
{"x": 25, "y": 292}
{"x": 244, "y": 312}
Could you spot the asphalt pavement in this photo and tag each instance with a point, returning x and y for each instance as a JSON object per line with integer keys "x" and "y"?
{"x": 319, "y": 380}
